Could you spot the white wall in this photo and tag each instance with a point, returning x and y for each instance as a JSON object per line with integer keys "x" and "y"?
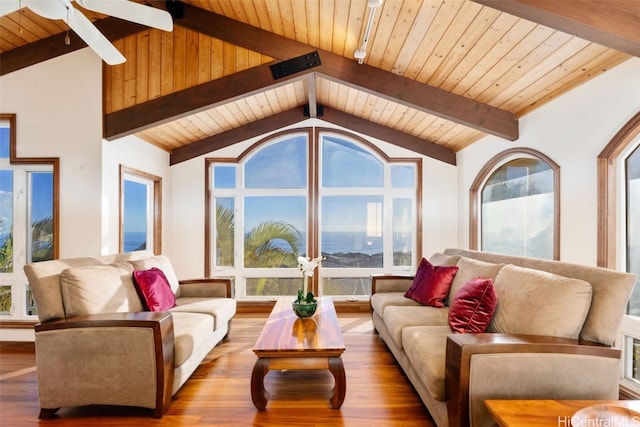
{"x": 572, "y": 130}
{"x": 188, "y": 178}
{"x": 58, "y": 107}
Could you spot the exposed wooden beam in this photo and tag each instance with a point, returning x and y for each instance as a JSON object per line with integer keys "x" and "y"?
{"x": 191, "y": 100}
{"x": 233, "y": 136}
{"x": 611, "y": 23}
{"x": 54, "y": 46}
{"x": 312, "y": 95}
{"x": 382, "y": 83}
{"x": 401, "y": 139}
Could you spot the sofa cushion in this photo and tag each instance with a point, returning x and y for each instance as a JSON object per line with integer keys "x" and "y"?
{"x": 397, "y": 318}
{"x": 99, "y": 289}
{"x": 539, "y": 303}
{"x": 190, "y": 331}
{"x": 380, "y": 301}
{"x": 425, "y": 347}
{"x": 438, "y": 258}
{"x": 154, "y": 289}
{"x": 164, "y": 264}
{"x": 431, "y": 284}
{"x": 221, "y": 309}
{"x": 473, "y": 306}
{"x": 469, "y": 268}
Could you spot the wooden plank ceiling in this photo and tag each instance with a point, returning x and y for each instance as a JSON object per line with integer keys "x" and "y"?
{"x": 438, "y": 75}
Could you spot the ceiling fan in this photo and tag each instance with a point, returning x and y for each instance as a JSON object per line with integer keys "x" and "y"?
{"x": 84, "y": 28}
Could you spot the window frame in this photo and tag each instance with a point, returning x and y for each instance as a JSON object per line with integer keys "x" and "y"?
{"x": 17, "y": 279}
{"x": 154, "y": 216}
{"x": 612, "y": 227}
{"x": 497, "y": 161}
{"x": 313, "y": 191}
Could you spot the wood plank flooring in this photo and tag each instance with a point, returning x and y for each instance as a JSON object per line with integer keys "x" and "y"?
{"x": 219, "y": 391}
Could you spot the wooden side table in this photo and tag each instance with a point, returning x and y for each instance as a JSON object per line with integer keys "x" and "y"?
{"x": 556, "y": 413}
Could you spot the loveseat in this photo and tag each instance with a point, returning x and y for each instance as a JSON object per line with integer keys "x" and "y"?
{"x": 98, "y": 342}
{"x": 549, "y": 336}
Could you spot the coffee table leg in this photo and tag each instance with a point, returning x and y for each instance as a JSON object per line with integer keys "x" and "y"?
{"x": 258, "y": 394}
{"x": 339, "y": 391}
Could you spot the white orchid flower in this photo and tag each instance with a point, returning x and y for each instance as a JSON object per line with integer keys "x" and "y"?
{"x": 307, "y": 265}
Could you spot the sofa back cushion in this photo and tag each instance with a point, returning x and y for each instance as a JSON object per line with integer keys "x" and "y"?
{"x": 99, "y": 289}
{"x": 539, "y": 303}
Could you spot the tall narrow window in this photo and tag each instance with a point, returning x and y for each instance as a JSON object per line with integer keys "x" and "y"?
{"x": 632, "y": 201}
{"x": 311, "y": 194}
{"x": 28, "y": 220}
{"x": 140, "y": 219}
{"x": 518, "y": 206}
{"x": 619, "y": 233}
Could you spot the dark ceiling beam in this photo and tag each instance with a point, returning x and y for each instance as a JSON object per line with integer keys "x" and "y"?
{"x": 233, "y": 136}
{"x": 54, "y": 46}
{"x": 293, "y": 116}
{"x": 401, "y": 139}
{"x": 373, "y": 80}
{"x": 611, "y": 23}
{"x": 191, "y": 100}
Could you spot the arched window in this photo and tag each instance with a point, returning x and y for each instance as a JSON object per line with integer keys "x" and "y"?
{"x": 311, "y": 193}
{"x": 515, "y": 205}
{"x": 619, "y": 231}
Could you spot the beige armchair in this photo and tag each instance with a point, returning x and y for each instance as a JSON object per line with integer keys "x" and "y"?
{"x": 95, "y": 344}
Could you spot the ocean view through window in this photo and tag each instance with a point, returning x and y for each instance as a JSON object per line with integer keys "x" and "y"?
{"x": 139, "y": 211}
{"x": 360, "y": 213}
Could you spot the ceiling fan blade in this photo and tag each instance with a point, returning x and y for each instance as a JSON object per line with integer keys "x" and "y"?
{"x": 8, "y": 6}
{"x": 94, "y": 38}
{"x": 131, "y": 11}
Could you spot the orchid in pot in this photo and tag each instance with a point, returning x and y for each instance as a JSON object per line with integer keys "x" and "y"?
{"x": 305, "y": 304}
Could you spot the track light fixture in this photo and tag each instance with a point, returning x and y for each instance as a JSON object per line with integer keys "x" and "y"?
{"x": 360, "y": 53}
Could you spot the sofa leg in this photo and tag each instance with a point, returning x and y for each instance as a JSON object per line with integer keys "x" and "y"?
{"x": 45, "y": 413}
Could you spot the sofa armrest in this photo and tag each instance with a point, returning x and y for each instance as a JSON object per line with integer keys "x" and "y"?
{"x": 461, "y": 348}
{"x": 161, "y": 325}
{"x": 390, "y": 283}
{"x": 207, "y": 288}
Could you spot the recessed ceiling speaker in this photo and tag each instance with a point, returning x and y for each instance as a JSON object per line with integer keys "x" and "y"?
{"x": 295, "y": 65}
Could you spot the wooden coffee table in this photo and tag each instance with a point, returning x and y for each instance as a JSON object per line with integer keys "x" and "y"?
{"x": 288, "y": 342}
{"x": 526, "y": 413}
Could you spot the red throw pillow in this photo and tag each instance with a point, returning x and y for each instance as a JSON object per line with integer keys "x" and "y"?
{"x": 154, "y": 289}
{"x": 473, "y": 306}
{"x": 431, "y": 284}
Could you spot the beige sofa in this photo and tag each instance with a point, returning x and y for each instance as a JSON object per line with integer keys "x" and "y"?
{"x": 95, "y": 344}
{"x": 550, "y": 337}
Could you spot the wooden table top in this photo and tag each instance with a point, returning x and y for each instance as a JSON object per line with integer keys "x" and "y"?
{"x": 527, "y": 413}
{"x": 286, "y": 335}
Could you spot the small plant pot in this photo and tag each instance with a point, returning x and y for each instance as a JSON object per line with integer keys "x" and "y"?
{"x": 304, "y": 309}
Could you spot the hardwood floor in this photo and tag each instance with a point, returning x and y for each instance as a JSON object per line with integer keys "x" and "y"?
{"x": 219, "y": 391}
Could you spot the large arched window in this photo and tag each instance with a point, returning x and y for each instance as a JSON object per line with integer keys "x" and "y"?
{"x": 619, "y": 232}
{"x": 516, "y": 195}
{"x": 311, "y": 193}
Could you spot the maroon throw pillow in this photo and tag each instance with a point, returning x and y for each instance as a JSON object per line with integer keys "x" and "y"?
{"x": 154, "y": 289}
{"x": 431, "y": 284}
{"x": 473, "y": 306}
